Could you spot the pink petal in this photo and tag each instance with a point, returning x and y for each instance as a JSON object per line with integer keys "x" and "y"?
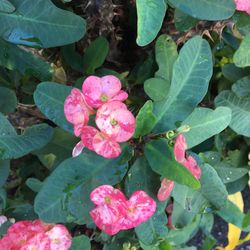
{"x": 39, "y": 242}
{"x": 78, "y": 129}
{"x": 105, "y": 147}
{"x": 99, "y": 196}
{"x": 111, "y": 85}
{"x": 180, "y": 147}
{"x": 87, "y": 136}
{"x": 75, "y": 109}
{"x": 59, "y": 237}
{"x": 78, "y": 149}
{"x": 165, "y": 189}
{"x": 140, "y": 207}
{"x": 120, "y": 96}
{"x": 192, "y": 166}
{"x": 116, "y": 121}
{"x": 92, "y": 90}
{"x": 105, "y": 220}
{"x": 243, "y": 5}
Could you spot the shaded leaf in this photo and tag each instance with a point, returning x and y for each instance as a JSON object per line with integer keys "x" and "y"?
{"x": 242, "y": 55}
{"x": 8, "y": 100}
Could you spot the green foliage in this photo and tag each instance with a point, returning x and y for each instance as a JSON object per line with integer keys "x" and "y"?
{"x": 13, "y": 146}
{"x": 205, "y": 123}
{"x": 6, "y": 6}
{"x": 150, "y": 17}
{"x": 80, "y": 242}
{"x": 242, "y": 55}
{"x": 206, "y": 9}
{"x": 8, "y": 100}
{"x": 41, "y": 24}
{"x": 191, "y": 74}
{"x": 240, "y": 111}
{"x": 50, "y": 97}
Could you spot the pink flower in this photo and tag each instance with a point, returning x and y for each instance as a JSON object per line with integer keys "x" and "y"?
{"x": 76, "y": 110}
{"x": 59, "y": 238}
{"x": 30, "y": 235}
{"x": 243, "y": 5}
{"x": 116, "y": 121}
{"x": 189, "y": 162}
{"x": 96, "y": 141}
{"x": 114, "y": 213}
{"x": 165, "y": 189}
{"x": 98, "y": 91}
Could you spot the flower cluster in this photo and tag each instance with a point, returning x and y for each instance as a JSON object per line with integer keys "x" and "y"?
{"x": 29, "y": 235}
{"x": 187, "y": 161}
{"x": 113, "y": 212}
{"x": 115, "y": 122}
{"x": 243, "y": 5}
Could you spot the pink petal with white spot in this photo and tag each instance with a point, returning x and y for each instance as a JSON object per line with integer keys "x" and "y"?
{"x": 88, "y": 134}
{"x": 165, "y": 189}
{"x": 192, "y": 166}
{"x": 38, "y": 242}
{"x": 106, "y": 220}
{"x": 140, "y": 207}
{"x": 116, "y": 121}
{"x": 106, "y": 147}
{"x": 59, "y": 237}
{"x": 98, "y": 91}
{"x": 75, "y": 109}
{"x": 99, "y": 195}
{"x": 180, "y": 147}
{"x": 77, "y": 150}
{"x": 243, "y": 5}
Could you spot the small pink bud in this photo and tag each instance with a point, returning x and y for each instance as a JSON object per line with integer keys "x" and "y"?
{"x": 165, "y": 189}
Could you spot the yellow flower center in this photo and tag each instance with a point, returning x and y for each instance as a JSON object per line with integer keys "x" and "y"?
{"x": 108, "y": 200}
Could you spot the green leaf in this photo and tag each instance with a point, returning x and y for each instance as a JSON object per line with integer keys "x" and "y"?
{"x": 191, "y": 74}
{"x": 232, "y": 214}
{"x": 64, "y": 196}
{"x": 15, "y": 146}
{"x": 246, "y": 220}
{"x": 230, "y": 174}
{"x": 156, "y": 88}
{"x": 4, "y": 171}
{"x": 206, "y": 9}
{"x": 242, "y": 87}
{"x": 240, "y": 111}
{"x": 233, "y": 73}
{"x": 150, "y": 231}
{"x": 161, "y": 159}
{"x": 40, "y": 23}
{"x": 94, "y": 55}
{"x": 150, "y": 15}
{"x": 58, "y": 149}
{"x": 34, "y": 184}
{"x": 80, "y": 242}
{"x": 8, "y": 100}
{"x": 165, "y": 56}
{"x": 242, "y": 22}
{"x": 14, "y": 58}
{"x": 242, "y": 55}
{"x": 205, "y": 123}
{"x": 141, "y": 177}
{"x": 6, "y": 6}
{"x": 49, "y": 98}
{"x": 145, "y": 120}
{"x": 183, "y": 22}
{"x": 212, "y": 187}
{"x": 181, "y": 236}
